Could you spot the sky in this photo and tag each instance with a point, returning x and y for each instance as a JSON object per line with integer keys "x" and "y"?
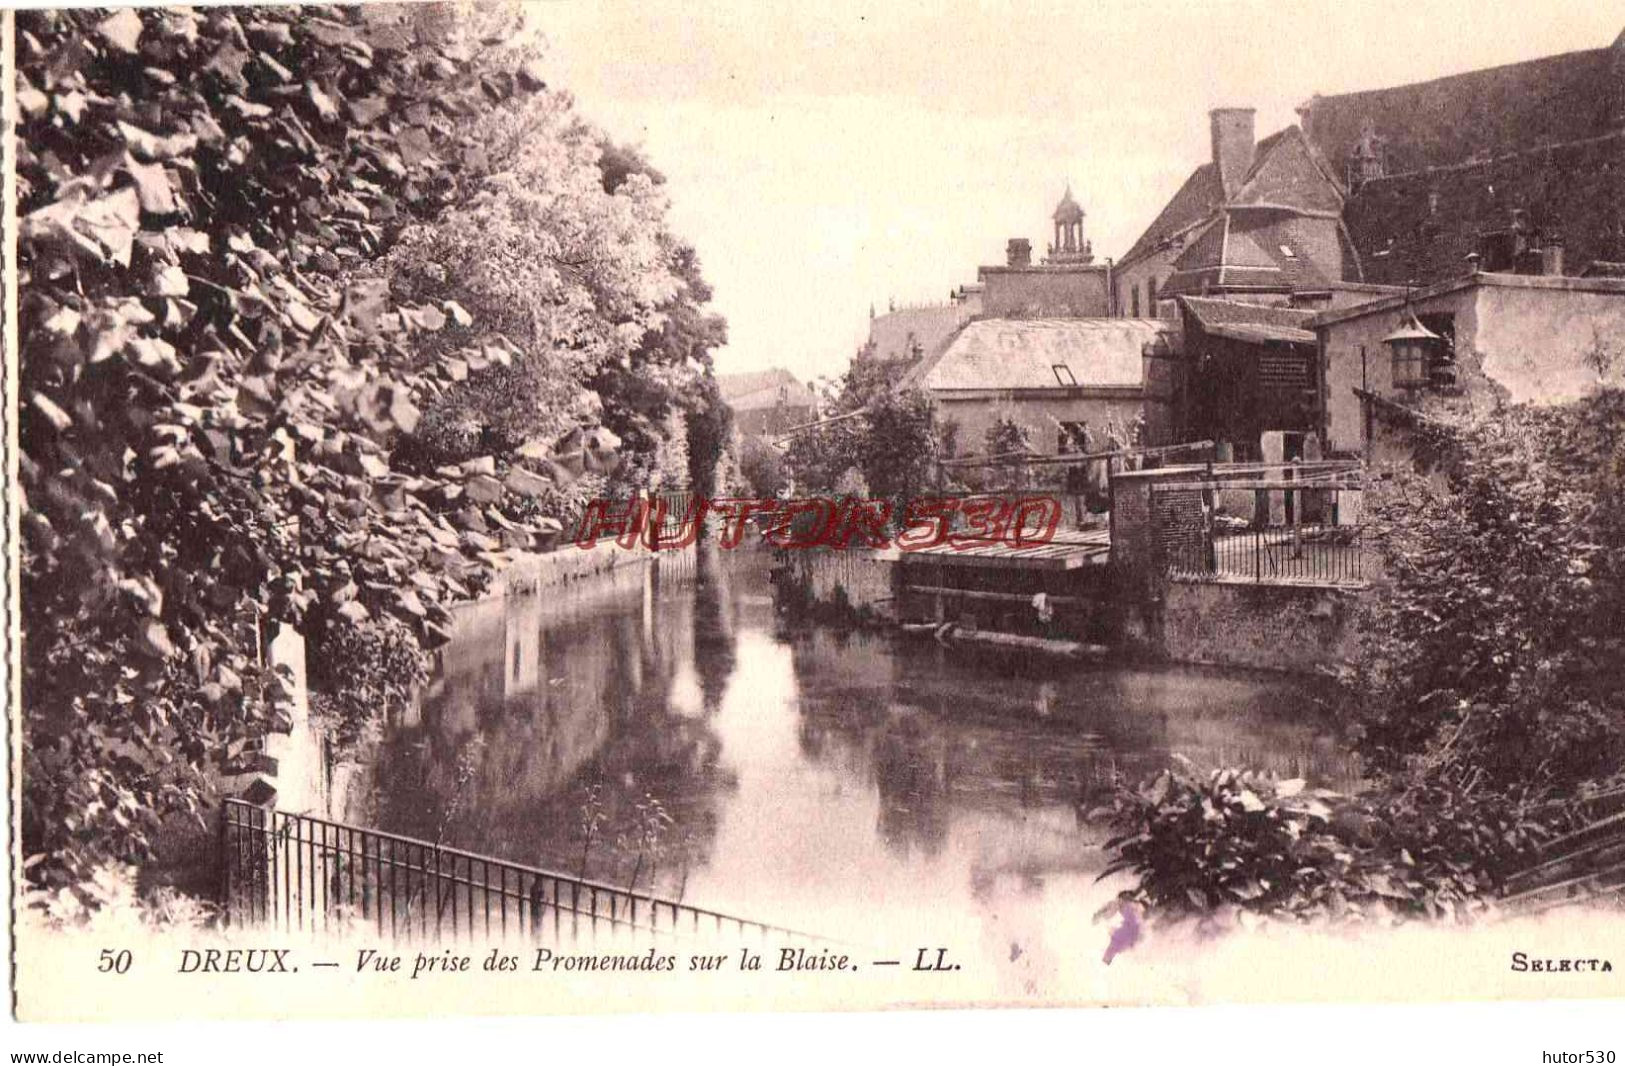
{"x": 823, "y": 158}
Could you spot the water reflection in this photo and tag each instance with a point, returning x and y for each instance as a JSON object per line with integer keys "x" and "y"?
{"x": 666, "y": 728}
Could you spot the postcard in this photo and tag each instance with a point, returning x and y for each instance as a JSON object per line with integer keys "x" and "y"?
{"x": 577, "y": 508}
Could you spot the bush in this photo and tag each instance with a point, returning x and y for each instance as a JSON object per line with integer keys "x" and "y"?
{"x": 1487, "y": 699}
{"x": 1198, "y": 843}
{"x": 1494, "y": 658}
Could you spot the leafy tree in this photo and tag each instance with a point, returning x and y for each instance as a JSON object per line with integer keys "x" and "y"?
{"x": 709, "y": 423}
{"x": 762, "y": 467}
{"x": 254, "y": 244}
{"x": 878, "y": 429}
{"x": 1486, "y": 698}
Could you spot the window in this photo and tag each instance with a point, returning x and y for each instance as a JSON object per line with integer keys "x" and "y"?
{"x": 1134, "y": 298}
{"x": 1286, "y": 250}
{"x": 1072, "y": 437}
{"x": 1151, "y": 297}
{"x": 1410, "y": 369}
{"x": 1442, "y": 368}
{"x": 1063, "y": 376}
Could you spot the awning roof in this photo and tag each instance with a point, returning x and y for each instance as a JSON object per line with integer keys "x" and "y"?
{"x": 1259, "y": 333}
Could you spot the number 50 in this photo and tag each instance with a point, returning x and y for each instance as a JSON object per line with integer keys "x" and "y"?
{"x": 114, "y": 962}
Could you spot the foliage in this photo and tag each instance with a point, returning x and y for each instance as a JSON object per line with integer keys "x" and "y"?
{"x": 1486, "y": 698}
{"x": 669, "y": 372}
{"x": 367, "y": 671}
{"x": 577, "y": 270}
{"x": 900, "y": 447}
{"x": 816, "y": 458}
{"x": 1009, "y": 437}
{"x": 110, "y": 900}
{"x": 253, "y": 245}
{"x": 891, "y": 446}
{"x": 762, "y": 467}
{"x": 1494, "y": 658}
{"x": 709, "y": 424}
{"x": 1198, "y": 843}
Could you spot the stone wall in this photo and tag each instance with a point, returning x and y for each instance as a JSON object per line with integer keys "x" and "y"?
{"x": 1179, "y": 524}
{"x": 1045, "y": 291}
{"x": 1293, "y": 628}
{"x": 1271, "y": 627}
{"x": 531, "y": 573}
{"x": 863, "y": 580}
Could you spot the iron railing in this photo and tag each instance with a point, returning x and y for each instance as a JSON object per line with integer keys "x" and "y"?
{"x": 296, "y": 871}
{"x": 1310, "y": 554}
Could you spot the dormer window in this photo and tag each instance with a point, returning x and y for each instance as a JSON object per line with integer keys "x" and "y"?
{"x": 1286, "y": 250}
{"x": 1063, "y": 376}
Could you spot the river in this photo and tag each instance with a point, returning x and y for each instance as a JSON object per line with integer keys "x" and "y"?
{"x": 668, "y": 727}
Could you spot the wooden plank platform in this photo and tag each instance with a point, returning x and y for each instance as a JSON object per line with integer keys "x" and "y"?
{"x": 1068, "y": 549}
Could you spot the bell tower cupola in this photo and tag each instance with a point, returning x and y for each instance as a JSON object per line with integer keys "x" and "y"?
{"x": 1070, "y": 245}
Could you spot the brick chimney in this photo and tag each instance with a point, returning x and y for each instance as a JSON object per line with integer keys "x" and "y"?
{"x": 1233, "y": 145}
{"x": 1018, "y": 252}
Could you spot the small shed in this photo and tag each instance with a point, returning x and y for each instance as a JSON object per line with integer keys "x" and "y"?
{"x": 1251, "y": 371}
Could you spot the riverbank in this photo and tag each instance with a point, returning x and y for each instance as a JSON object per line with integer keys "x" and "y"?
{"x": 1299, "y": 628}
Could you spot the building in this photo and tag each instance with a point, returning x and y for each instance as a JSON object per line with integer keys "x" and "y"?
{"x": 766, "y": 402}
{"x": 1495, "y": 338}
{"x": 912, "y": 333}
{"x": 1249, "y": 378}
{"x": 1523, "y": 164}
{"x": 1065, "y": 379}
{"x": 1260, "y": 221}
{"x": 1068, "y": 283}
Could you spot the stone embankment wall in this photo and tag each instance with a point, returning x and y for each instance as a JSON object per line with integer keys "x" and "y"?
{"x": 531, "y": 573}
{"x": 864, "y": 581}
{"x": 1298, "y": 629}
{"x": 287, "y": 770}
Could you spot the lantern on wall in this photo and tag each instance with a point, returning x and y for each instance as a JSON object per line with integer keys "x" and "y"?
{"x": 1412, "y": 346}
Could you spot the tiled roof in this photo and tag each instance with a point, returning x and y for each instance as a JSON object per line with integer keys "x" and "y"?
{"x": 1260, "y": 248}
{"x": 1287, "y": 174}
{"x": 1422, "y": 226}
{"x": 896, "y": 334}
{"x": 1200, "y": 261}
{"x": 1008, "y": 353}
{"x": 1262, "y": 334}
{"x": 1211, "y": 314}
{"x": 1197, "y": 199}
{"x": 1552, "y": 100}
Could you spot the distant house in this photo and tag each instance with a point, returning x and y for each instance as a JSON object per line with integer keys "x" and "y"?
{"x": 919, "y": 331}
{"x": 1261, "y": 222}
{"x": 1530, "y": 155}
{"x": 766, "y": 402}
{"x": 1497, "y": 338}
{"x": 1065, "y": 379}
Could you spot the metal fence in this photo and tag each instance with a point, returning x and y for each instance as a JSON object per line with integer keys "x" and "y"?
{"x": 295, "y": 871}
{"x": 1311, "y": 554}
